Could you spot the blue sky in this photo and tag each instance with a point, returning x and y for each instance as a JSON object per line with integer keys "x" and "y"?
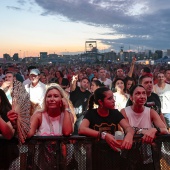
{"x": 63, "y": 26}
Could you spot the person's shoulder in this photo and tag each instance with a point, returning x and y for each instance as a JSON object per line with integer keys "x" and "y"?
{"x": 27, "y": 81}
{"x": 168, "y": 85}
{"x": 114, "y": 111}
{"x": 154, "y": 95}
{"x": 88, "y": 92}
{"x": 65, "y": 79}
{"x": 108, "y": 80}
{"x": 77, "y": 89}
{"x": 37, "y": 115}
{"x": 155, "y": 85}
{"x": 42, "y": 84}
{"x": 90, "y": 113}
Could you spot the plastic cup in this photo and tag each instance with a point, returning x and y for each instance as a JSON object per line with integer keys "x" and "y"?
{"x": 119, "y": 136}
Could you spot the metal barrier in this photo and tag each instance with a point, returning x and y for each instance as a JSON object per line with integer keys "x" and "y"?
{"x": 81, "y": 153}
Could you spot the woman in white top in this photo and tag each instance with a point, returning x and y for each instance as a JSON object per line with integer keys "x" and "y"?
{"x": 142, "y": 119}
{"x": 57, "y": 116}
{"x": 120, "y": 96}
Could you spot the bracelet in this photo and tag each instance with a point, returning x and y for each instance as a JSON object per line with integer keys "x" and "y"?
{"x": 158, "y": 130}
{"x": 139, "y": 131}
{"x": 68, "y": 110}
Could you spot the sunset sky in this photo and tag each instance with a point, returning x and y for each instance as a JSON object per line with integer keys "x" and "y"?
{"x": 62, "y": 26}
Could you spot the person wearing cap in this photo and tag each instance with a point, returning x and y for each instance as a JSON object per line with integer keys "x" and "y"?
{"x": 36, "y": 90}
{"x": 28, "y": 81}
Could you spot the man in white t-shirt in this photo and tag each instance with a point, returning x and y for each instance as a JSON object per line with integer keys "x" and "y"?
{"x": 162, "y": 89}
{"x": 36, "y": 90}
{"x": 28, "y": 81}
{"x": 102, "y": 78}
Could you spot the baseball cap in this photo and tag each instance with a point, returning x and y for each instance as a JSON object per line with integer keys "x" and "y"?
{"x": 35, "y": 72}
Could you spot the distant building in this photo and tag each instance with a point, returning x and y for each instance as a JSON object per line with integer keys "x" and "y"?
{"x": 52, "y": 56}
{"x": 159, "y": 53}
{"x": 43, "y": 55}
{"x": 15, "y": 57}
{"x": 6, "y": 57}
{"x": 30, "y": 59}
{"x": 168, "y": 52}
{"x": 148, "y": 54}
{"x": 110, "y": 56}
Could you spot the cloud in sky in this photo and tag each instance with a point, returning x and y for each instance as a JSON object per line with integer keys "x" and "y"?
{"x": 14, "y": 8}
{"x": 137, "y": 23}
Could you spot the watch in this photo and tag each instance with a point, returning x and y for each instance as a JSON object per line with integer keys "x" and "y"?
{"x": 139, "y": 131}
{"x": 103, "y": 135}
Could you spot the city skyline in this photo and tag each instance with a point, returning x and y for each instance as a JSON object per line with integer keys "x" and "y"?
{"x": 62, "y": 27}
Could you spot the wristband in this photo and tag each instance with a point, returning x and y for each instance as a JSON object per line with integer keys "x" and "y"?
{"x": 68, "y": 110}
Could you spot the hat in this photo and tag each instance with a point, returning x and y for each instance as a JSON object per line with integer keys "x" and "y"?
{"x": 35, "y": 72}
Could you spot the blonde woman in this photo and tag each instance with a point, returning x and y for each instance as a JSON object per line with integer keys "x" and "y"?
{"x": 56, "y": 117}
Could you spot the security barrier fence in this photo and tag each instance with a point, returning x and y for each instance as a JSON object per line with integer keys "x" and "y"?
{"x": 83, "y": 153}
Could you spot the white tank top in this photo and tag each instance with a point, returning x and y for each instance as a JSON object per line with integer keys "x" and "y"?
{"x": 140, "y": 120}
{"x": 51, "y": 126}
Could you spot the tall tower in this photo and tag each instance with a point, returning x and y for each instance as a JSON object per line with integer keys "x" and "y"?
{"x": 121, "y": 53}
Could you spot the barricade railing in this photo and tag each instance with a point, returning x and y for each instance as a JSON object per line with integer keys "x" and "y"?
{"x": 83, "y": 153}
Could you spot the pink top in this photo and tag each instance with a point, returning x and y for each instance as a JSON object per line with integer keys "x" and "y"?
{"x": 50, "y": 126}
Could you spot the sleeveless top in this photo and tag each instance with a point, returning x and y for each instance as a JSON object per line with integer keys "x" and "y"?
{"x": 139, "y": 120}
{"x": 50, "y": 126}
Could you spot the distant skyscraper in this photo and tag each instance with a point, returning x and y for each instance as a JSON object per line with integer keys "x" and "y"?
{"x": 159, "y": 53}
{"x": 15, "y": 57}
{"x": 43, "y": 55}
{"x": 6, "y": 57}
{"x": 168, "y": 52}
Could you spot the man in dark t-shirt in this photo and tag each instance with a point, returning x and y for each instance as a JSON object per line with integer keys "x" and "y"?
{"x": 79, "y": 97}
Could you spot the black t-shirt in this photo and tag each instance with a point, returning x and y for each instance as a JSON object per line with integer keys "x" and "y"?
{"x": 108, "y": 124}
{"x": 79, "y": 100}
{"x": 4, "y": 117}
{"x": 153, "y": 102}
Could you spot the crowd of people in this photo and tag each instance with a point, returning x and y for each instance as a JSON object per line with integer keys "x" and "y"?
{"x": 92, "y": 100}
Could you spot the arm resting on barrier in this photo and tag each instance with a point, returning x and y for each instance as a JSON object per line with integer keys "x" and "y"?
{"x": 128, "y": 140}
{"x": 85, "y": 130}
